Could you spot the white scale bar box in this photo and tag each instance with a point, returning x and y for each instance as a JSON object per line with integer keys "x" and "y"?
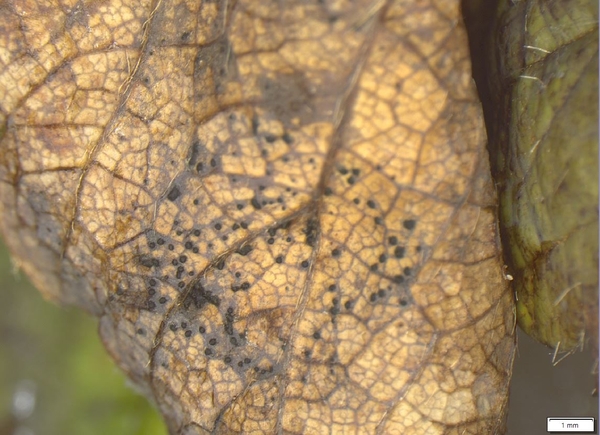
{"x": 571, "y": 425}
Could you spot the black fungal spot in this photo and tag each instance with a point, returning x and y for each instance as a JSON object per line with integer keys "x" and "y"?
{"x": 327, "y": 191}
{"x": 393, "y": 240}
{"x": 200, "y": 297}
{"x": 193, "y": 154}
{"x": 245, "y": 285}
{"x": 270, "y": 138}
{"x": 185, "y": 35}
{"x": 403, "y": 302}
{"x": 173, "y": 327}
{"x": 356, "y": 201}
{"x": 351, "y": 180}
{"x": 356, "y": 171}
{"x": 162, "y": 300}
{"x": 305, "y": 264}
{"x": 151, "y": 305}
{"x": 188, "y": 333}
{"x": 374, "y": 267}
{"x": 245, "y": 249}
{"x": 218, "y": 226}
{"x": 220, "y": 264}
{"x": 332, "y": 287}
{"x": 195, "y": 250}
{"x": 213, "y": 163}
{"x": 152, "y": 281}
{"x": 181, "y": 284}
{"x": 140, "y": 331}
{"x": 151, "y": 291}
{"x": 409, "y": 224}
{"x": 399, "y": 252}
{"x": 208, "y": 351}
{"x": 381, "y": 293}
{"x": 188, "y": 245}
{"x": 174, "y": 262}
{"x": 378, "y": 221}
{"x": 244, "y": 225}
{"x": 182, "y": 258}
{"x": 317, "y": 335}
{"x": 348, "y": 304}
{"x": 398, "y": 279}
{"x": 212, "y": 341}
{"x": 279, "y": 259}
{"x": 371, "y": 204}
{"x": 373, "y": 297}
{"x": 287, "y": 138}
{"x": 336, "y": 252}
{"x": 152, "y": 245}
{"x": 202, "y": 330}
{"x": 270, "y": 240}
{"x": 407, "y": 271}
{"x": 382, "y": 258}
{"x": 174, "y": 193}
{"x": 342, "y": 170}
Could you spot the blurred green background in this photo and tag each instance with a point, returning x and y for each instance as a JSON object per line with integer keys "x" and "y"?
{"x": 54, "y": 355}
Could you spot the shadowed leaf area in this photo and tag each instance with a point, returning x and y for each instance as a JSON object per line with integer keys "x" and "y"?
{"x": 281, "y": 212}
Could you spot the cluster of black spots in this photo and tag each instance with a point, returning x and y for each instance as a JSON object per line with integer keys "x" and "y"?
{"x": 228, "y": 322}
{"x": 199, "y": 296}
{"x": 310, "y": 231}
{"x": 174, "y": 193}
{"x": 381, "y": 293}
{"x": 244, "y": 286}
{"x": 148, "y": 261}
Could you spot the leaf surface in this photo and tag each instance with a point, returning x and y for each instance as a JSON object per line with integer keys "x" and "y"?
{"x": 544, "y": 146}
{"x": 281, "y": 212}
